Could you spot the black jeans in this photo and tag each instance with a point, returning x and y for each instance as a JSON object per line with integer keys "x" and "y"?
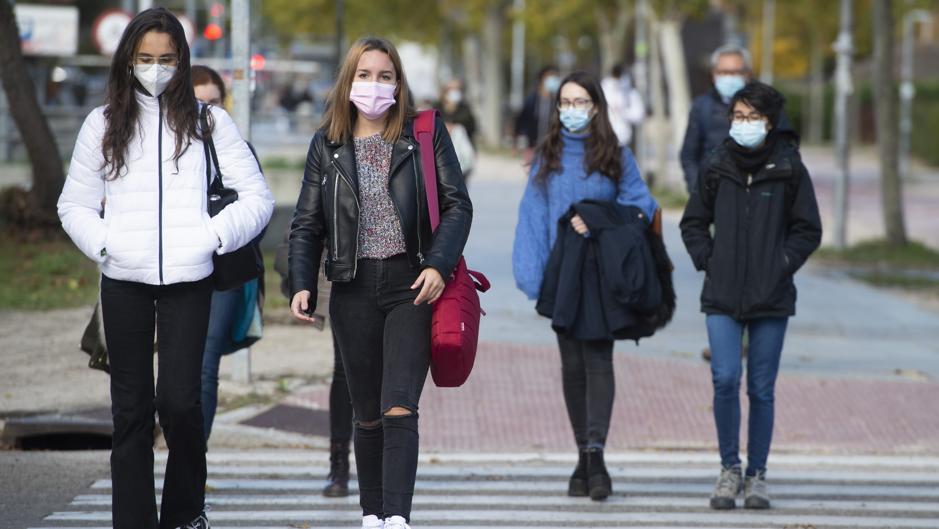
{"x": 384, "y": 340}
{"x": 589, "y": 388}
{"x": 180, "y": 315}
{"x": 340, "y": 404}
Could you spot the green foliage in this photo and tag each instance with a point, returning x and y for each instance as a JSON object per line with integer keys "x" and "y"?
{"x": 45, "y": 275}
{"x": 881, "y": 254}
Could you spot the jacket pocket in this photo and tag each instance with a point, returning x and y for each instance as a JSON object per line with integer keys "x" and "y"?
{"x": 211, "y": 238}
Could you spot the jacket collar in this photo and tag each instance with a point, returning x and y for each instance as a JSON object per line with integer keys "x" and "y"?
{"x": 343, "y": 153}
{"x": 146, "y": 101}
{"x": 778, "y": 166}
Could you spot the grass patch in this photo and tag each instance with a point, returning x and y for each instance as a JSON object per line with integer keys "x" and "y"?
{"x": 879, "y": 254}
{"x": 45, "y": 275}
{"x": 670, "y": 197}
{"x": 282, "y": 163}
{"x": 904, "y": 281}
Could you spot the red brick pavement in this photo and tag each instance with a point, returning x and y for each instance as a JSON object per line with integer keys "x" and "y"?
{"x": 513, "y": 402}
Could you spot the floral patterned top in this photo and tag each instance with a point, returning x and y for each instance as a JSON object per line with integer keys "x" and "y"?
{"x": 380, "y": 233}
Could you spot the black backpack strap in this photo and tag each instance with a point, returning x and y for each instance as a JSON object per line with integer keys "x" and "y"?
{"x": 211, "y": 157}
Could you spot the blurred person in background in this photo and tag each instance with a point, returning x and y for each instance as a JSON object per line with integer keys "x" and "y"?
{"x": 454, "y": 108}
{"x": 155, "y": 245}
{"x": 707, "y": 120}
{"x": 235, "y": 314}
{"x": 533, "y": 121}
{"x": 626, "y": 107}
{"x": 750, "y": 224}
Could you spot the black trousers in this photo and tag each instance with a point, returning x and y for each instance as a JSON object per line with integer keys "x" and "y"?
{"x": 589, "y": 388}
{"x": 180, "y": 315}
{"x": 384, "y": 340}
{"x": 340, "y": 404}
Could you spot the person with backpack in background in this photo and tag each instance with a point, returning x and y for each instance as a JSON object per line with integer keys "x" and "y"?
{"x": 363, "y": 201}
{"x": 758, "y": 196}
{"x": 143, "y": 151}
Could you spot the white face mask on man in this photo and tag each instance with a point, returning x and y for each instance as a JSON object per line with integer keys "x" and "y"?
{"x": 154, "y": 77}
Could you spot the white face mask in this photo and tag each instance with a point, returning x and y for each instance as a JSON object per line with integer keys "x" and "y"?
{"x": 454, "y": 97}
{"x": 154, "y": 77}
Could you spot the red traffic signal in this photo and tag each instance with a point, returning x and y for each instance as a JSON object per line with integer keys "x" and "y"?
{"x": 212, "y": 31}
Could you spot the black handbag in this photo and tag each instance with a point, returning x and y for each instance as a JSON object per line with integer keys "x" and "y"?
{"x": 235, "y": 268}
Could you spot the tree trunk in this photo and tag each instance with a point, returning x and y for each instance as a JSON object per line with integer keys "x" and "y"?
{"x": 48, "y": 176}
{"x": 611, "y": 34}
{"x": 816, "y": 106}
{"x": 885, "y": 102}
{"x": 493, "y": 82}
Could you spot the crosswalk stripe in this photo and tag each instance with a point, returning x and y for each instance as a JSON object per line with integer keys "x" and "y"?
{"x": 260, "y": 491}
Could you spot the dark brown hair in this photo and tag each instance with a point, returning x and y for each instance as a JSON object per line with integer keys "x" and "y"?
{"x": 602, "y": 151}
{"x": 204, "y": 75}
{"x": 122, "y": 111}
{"x": 341, "y": 113}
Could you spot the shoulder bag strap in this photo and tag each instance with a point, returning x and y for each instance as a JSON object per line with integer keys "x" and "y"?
{"x": 211, "y": 157}
{"x": 424, "y": 131}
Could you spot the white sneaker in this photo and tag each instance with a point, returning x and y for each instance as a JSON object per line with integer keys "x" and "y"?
{"x": 372, "y": 522}
{"x": 396, "y": 522}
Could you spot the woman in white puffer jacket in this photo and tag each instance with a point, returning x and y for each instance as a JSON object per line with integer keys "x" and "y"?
{"x": 140, "y": 158}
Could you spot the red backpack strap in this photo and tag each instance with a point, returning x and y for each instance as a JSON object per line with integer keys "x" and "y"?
{"x": 424, "y": 131}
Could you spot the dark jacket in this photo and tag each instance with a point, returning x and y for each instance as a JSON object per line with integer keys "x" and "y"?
{"x": 607, "y": 285}
{"x": 532, "y": 121}
{"x": 766, "y": 224}
{"x": 708, "y": 127}
{"x": 327, "y": 214}
{"x": 462, "y": 115}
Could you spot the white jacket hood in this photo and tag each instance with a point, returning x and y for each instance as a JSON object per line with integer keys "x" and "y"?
{"x": 155, "y": 228}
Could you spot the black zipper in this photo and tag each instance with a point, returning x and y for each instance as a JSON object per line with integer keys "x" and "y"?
{"x": 160, "y": 183}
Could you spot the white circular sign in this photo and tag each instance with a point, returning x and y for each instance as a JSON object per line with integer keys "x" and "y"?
{"x": 108, "y": 29}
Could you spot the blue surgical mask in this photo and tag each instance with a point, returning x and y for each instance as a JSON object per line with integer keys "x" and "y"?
{"x": 575, "y": 119}
{"x": 728, "y": 85}
{"x": 552, "y": 83}
{"x": 748, "y": 134}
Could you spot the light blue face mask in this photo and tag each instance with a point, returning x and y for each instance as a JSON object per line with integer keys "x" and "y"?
{"x": 728, "y": 85}
{"x": 552, "y": 83}
{"x": 575, "y": 119}
{"x": 748, "y": 134}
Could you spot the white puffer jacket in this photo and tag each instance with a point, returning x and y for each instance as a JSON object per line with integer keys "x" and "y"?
{"x": 156, "y": 228}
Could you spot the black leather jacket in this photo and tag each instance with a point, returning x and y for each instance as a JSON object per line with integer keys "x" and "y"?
{"x": 327, "y": 214}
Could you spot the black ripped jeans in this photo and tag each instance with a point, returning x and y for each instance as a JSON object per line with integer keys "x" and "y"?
{"x": 384, "y": 340}
{"x": 589, "y": 388}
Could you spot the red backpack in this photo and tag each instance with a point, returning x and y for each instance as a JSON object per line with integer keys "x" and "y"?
{"x": 454, "y": 331}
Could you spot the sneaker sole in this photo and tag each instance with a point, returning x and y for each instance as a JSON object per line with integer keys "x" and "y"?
{"x": 723, "y": 504}
{"x": 756, "y": 503}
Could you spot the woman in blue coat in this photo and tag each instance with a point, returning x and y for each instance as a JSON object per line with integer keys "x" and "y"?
{"x": 580, "y": 158}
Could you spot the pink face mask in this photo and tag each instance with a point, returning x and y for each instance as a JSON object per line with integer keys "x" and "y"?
{"x": 372, "y": 99}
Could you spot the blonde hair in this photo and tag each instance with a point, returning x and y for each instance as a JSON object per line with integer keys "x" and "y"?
{"x": 341, "y": 113}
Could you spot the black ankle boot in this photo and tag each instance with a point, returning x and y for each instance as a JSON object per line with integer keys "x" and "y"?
{"x": 577, "y": 486}
{"x": 338, "y": 486}
{"x": 599, "y": 484}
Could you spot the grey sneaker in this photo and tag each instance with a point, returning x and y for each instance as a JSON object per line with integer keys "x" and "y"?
{"x": 728, "y": 486}
{"x": 756, "y": 491}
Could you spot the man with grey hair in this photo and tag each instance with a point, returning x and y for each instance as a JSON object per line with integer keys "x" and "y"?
{"x": 708, "y": 124}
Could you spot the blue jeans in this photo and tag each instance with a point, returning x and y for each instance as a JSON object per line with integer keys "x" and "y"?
{"x": 725, "y": 335}
{"x": 218, "y": 342}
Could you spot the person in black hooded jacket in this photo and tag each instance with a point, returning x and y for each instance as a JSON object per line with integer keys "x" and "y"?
{"x": 758, "y": 196}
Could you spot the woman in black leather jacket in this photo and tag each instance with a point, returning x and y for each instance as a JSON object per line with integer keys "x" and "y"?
{"x": 362, "y": 200}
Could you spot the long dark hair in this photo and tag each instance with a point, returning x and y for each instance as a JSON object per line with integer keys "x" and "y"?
{"x": 122, "y": 110}
{"x": 602, "y": 151}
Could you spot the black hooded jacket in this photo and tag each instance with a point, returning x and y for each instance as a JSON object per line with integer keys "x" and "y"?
{"x": 766, "y": 225}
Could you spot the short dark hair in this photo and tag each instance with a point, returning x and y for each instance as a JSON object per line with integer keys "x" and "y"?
{"x": 543, "y": 72}
{"x": 617, "y": 70}
{"x": 763, "y": 98}
{"x": 204, "y": 75}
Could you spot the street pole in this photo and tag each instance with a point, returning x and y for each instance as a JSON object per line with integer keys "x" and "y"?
{"x": 340, "y": 37}
{"x": 907, "y": 90}
{"x": 518, "y": 57}
{"x": 143, "y": 5}
{"x": 769, "y": 33}
{"x": 844, "y": 87}
{"x": 241, "y": 113}
{"x": 640, "y": 71}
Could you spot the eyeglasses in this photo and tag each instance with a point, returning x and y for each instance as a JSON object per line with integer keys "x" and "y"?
{"x": 162, "y": 60}
{"x": 579, "y": 104}
{"x": 752, "y": 117}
